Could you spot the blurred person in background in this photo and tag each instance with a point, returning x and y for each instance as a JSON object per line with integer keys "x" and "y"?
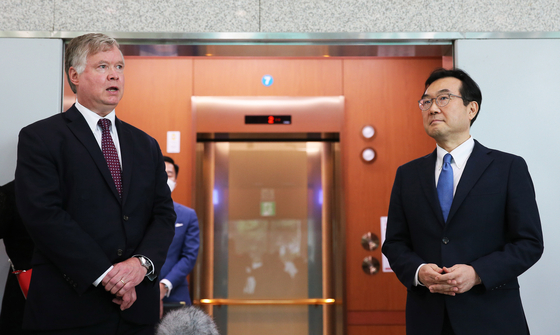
{"x": 183, "y": 251}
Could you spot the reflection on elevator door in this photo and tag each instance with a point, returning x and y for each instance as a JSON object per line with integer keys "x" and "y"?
{"x": 267, "y": 242}
{"x": 268, "y": 236}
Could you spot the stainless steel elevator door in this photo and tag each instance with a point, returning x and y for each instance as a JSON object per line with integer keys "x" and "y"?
{"x": 270, "y": 249}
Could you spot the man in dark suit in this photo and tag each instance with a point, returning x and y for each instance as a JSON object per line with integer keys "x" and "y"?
{"x": 181, "y": 257}
{"x": 19, "y": 248}
{"x": 459, "y": 244}
{"x": 92, "y": 192}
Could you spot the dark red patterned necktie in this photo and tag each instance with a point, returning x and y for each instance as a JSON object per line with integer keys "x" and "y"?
{"x": 110, "y": 153}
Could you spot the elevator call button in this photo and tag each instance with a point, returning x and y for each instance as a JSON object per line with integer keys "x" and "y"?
{"x": 268, "y": 119}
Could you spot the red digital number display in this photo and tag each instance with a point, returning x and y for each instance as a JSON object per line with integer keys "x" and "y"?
{"x": 268, "y": 119}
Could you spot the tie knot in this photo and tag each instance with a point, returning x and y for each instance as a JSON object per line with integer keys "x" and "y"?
{"x": 447, "y": 158}
{"x": 105, "y": 124}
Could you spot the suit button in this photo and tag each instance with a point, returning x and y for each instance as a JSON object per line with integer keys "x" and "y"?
{"x": 119, "y": 252}
{"x": 125, "y": 218}
{"x": 445, "y": 240}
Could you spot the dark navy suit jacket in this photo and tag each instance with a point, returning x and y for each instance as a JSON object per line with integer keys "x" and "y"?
{"x": 493, "y": 225}
{"x": 182, "y": 254}
{"x": 71, "y": 208}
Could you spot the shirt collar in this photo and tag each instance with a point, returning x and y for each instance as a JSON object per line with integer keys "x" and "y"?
{"x": 460, "y": 154}
{"x": 92, "y": 118}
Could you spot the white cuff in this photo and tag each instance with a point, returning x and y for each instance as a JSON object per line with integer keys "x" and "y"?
{"x": 95, "y": 283}
{"x": 416, "y": 280}
{"x": 169, "y": 286}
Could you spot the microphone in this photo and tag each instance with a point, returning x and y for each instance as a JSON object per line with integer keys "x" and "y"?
{"x": 187, "y": 320}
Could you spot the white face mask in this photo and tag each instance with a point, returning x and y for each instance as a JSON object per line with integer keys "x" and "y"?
{"x": 171, "y": 184}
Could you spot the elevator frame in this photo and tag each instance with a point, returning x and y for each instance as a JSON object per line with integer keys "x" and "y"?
{"x": 220, "y": 119}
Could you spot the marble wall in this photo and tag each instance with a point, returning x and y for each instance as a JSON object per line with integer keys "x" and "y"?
{"x": 273, "y": 16}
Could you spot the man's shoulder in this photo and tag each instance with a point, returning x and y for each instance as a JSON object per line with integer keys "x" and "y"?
{"x": 182, "y": 209}
{"x": 420, "y": 161}
{"x": 494, "y": 153}
{"x": 56, "y": 120}
{"x": 8, "y": 188}
{"x": 53, "y": 120}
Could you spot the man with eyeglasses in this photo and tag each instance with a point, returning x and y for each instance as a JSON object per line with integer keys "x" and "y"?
{"x": 463, "y": 222}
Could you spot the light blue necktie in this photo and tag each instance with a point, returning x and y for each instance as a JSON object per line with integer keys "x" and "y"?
{"x": 445, "y": 186}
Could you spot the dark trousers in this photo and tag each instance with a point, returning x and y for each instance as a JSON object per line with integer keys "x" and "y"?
{"x": 115, "y": 325}
{"x": 447, "y": 329}
{"x": 13, "y": 305}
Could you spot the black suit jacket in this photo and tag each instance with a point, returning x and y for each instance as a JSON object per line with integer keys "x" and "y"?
{"x": 80, "y": 225}
{"x": 493, "y": 225}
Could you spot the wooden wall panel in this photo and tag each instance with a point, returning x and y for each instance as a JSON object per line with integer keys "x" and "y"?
{"x": 157, "y": 99}
{"x": 292, "y": 77}
{"x": 361, "y": 318}
{"x": 382, "y": 93}
{"x": 376, "y": 330}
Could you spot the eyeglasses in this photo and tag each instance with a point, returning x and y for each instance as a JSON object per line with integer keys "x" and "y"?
{"x": 441, "y": 101}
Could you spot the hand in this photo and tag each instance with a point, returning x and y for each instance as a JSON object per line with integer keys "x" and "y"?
{"x": 126, "y": 300}
{"x": 162, "y": 291}
{"x": 459, "y": 278}
{"x": 428, "y": 273}
{"x": 160, "y": 309}
{"x": 124, "y": 277}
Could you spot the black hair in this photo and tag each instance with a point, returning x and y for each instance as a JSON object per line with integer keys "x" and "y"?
{"x": 175, "y": 166}
{"x": 469, "y": 89}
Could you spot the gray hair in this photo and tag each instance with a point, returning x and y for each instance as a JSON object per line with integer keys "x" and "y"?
{"x": 83, "y": 46}
{"x": 187, "y": 321}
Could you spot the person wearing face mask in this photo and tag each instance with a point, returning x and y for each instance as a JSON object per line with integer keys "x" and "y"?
{"x": 182, "y": 253}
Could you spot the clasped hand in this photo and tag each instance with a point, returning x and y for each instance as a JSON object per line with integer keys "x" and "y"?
{"x": 122, "y": 281}
{"x": 459, "y": 278}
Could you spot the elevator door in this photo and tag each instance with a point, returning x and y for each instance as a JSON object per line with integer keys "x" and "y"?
{"x": 268, "y": 242}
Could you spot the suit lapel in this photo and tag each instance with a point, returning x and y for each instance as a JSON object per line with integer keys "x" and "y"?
{"x": 127, "y": 146}
{"x": 79, "y": 127}
{"x": 427, "y": 168}
{"x": 476, "y": 165}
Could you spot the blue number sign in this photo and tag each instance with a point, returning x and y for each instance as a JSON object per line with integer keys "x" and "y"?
{"x": 267, "y": 80}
